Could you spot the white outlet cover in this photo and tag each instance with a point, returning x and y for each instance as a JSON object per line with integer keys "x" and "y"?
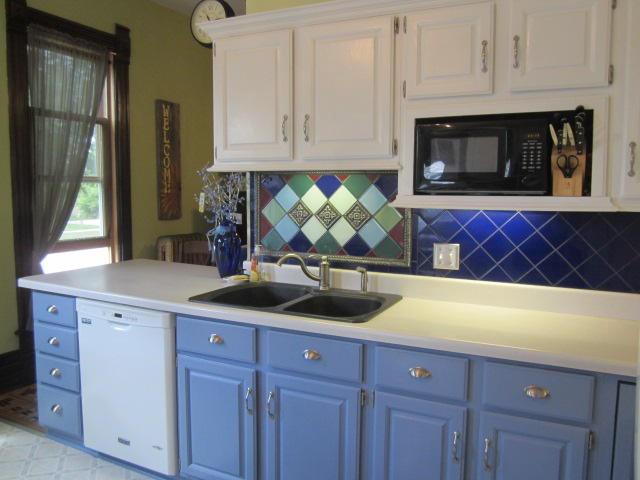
{"x": 446, "y": 256}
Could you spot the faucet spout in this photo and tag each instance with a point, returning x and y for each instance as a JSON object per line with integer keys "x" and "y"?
{"x": 324, "y": 275}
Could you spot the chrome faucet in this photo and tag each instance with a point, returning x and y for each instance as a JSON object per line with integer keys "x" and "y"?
{"x": 364, "y": 279}
{"x": 323, "y": 279}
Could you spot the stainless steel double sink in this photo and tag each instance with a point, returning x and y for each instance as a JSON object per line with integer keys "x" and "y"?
{"x": 335, "y": 304}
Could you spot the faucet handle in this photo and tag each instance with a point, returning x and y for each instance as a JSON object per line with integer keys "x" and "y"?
{"x": 364, "y": 279}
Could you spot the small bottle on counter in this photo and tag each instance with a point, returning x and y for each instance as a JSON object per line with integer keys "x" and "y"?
{"x": 255, "y": 275}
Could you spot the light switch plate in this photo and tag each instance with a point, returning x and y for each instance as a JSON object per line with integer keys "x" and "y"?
{"x": 446, "y": 256}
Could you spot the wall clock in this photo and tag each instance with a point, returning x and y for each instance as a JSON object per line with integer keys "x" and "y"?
{"x": 206, "y": 11}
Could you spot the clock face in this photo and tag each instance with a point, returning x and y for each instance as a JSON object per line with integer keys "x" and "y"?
{"x": 206, "y": 11}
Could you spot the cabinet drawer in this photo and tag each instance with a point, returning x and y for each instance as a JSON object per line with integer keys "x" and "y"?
{"x": 534, "y": 390}
{"x": 316, "y": 356}
{"x": 54, "y": 309}
{"x": 60, "y": 410}
{"x": 58, "y": 372}
{"x": 55, "y": 340}
{"x": 216, "y": 339}
{"x": 420, "y": 372}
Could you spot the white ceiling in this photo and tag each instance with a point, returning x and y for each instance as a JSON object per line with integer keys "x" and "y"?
{"x": 185, "y": 7}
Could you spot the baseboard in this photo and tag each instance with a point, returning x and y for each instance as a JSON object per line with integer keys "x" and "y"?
{"x": 17, "y": 368}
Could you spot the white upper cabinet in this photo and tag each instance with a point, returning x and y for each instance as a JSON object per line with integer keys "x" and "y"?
{"x": 252, "y": 77}
{"x": 449, "y": 51}
{"x": 559, "y": 43}
{"x": 627, "y": 193}
{"x": 344, "y": 78}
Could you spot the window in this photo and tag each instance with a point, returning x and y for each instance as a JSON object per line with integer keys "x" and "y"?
{"x": 87, "y": 239}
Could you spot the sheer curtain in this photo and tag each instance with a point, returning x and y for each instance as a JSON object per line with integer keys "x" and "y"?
{"x": 66, "y": 81}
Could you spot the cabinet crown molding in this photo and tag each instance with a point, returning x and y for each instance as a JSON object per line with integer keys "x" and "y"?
{"x": 326, "y": 12}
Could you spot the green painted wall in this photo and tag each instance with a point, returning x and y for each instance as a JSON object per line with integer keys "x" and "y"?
{"x": 255, "y": 6}
{"x": 166, "y": 63}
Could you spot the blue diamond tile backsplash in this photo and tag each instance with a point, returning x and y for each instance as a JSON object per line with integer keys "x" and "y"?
{"x": 599, "y": 251}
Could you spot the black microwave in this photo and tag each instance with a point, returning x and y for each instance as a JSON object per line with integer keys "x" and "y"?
{"x": 505, "y": 154}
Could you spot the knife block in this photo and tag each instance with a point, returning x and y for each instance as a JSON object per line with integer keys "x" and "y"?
{"x": 567, "y": 187}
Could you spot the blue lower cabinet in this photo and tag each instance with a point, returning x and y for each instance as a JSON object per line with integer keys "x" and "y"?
{"x": 625, "y": 426}
{"x": 524, "y": 449}
{"x": 416, "y": 438}
{"x": 217, "y": 420}
{"x": 60, "y": 411}
{"x": 312, "y": 429}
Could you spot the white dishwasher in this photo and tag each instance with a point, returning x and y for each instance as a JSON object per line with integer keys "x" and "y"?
{"x": 127, "y": 372}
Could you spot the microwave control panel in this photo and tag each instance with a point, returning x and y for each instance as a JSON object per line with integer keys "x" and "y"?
{"x": 533, "y": 152}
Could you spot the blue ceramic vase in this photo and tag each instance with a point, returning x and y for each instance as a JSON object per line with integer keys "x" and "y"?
{"x": 227, "y": 248}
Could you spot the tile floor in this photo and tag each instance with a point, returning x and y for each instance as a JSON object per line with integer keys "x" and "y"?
{"x": 30, "y": 455}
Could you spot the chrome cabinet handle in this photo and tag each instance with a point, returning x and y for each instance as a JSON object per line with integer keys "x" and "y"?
{"x": 216, "y": 339}
{"x": 484, "y": 56}
{"x": 632, "y": 159}
{"x": 419, "y": 372}
{"x": 309, "y": 354}
{"x": 454, "y": 449}
{"x": 248, "y": 395}
{"x": 485, "y": 454}
{"x": 516, "y": 51}
{"x": 307, "y": 117}
{"x": 537, "y": 393}
{"x": 269, "y": 401}
{"x": 55, "y": 372}
{"x": 284, "y": 128}
{"x": 57, "y": 409}
{"x": 52, "y": 309}
{"x": 53, "y": 341}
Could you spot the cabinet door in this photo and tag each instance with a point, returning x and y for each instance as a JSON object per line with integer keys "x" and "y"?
{"x": 415, "y": 437}
{"x": 312, "y": 429}
{"x": 216, "y": 420}
{"x": 252, "y": 89}
{"x": 625, "y": 427}
{"x": 450, "y": 51}
{"x": 559, "y": 44}
{"x": 628, "y": 189}
{"x": 344, "y": 105}
{"x": 513, "y": 447}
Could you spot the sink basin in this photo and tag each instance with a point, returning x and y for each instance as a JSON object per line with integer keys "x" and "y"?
{"x": 336, "y": 304}
{"x": 254, "y": 295}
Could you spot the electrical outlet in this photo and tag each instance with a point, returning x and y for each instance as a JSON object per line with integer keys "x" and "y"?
{"x": 446, "y": 256}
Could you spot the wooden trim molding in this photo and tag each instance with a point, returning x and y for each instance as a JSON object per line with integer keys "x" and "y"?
{"x": 19, "y": 17}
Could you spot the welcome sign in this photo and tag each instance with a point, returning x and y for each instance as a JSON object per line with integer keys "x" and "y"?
{"x": 168, "y": 160}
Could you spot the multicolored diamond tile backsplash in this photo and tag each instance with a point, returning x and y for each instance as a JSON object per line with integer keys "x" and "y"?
{"x": 348, "y": 217}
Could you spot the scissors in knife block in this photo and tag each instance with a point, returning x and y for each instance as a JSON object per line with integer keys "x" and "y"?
{"x": 567, "y": 164}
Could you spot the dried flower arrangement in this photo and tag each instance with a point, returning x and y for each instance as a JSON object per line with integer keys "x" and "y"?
{"x": 220, "y": 195}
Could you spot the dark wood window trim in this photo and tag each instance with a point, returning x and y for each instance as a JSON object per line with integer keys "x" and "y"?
{"x": 18, "y": 18}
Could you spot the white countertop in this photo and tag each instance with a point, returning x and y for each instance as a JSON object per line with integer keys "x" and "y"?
{"x": 594, "y": 343}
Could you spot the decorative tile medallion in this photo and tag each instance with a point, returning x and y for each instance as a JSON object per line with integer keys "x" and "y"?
{"x": 346, "y": 216}
{"x": 300, "y": 213}
{"x": 357, "y": 216}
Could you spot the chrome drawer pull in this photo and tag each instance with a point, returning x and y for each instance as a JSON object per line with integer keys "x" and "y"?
{"x": 216, "y": 339}
{"x": 454, "y": 449}
{"x": 55, "y": 372}
{"x": 57, "y": 409}
{"x": 248, "y": 395}
{"x": 269, "y": 401}
{"x": 53, "y": 341}
{"x": 485, "y": 454}
{"x": 419, "y": 372}
{"x": 52, "y": 309}
{"x": 632, "y": 159}
{"x": 537, "y": 393}
{"x": 309, "y": 354}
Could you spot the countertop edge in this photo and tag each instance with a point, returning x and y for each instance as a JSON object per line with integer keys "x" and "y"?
{"x": 345, "y": 330}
